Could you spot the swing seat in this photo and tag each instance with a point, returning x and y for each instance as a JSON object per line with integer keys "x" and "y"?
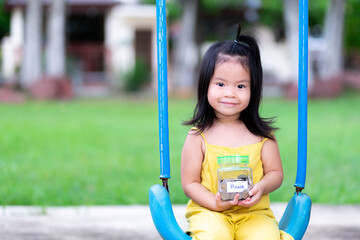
{"x": 163, "y": 215}
{"x": 294, "y": 221}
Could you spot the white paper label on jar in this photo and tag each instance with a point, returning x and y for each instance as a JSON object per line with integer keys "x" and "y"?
{"x": 237, "y": 186}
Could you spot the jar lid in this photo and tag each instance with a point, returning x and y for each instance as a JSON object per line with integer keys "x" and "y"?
{"x": 233, "y": 159}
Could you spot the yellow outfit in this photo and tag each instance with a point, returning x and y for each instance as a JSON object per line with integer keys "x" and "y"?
{"x": 239, "y": 223}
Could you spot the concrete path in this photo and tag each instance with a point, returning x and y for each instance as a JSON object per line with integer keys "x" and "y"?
{"x": 134, "y": 222}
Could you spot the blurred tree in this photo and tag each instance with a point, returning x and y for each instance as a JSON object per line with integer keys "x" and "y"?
{"x": 56, "y": 39}
{"x": 291, "y": 19}
{"x": 189, "y": 34}
{"x": 185, "y": 56}
{"x": 332, "y": 59}
{"x": 31, "y": 62}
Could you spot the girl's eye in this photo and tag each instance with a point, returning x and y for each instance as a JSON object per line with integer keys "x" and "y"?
{"x": 241, "y": 86}
{"x": 220, "y": 84}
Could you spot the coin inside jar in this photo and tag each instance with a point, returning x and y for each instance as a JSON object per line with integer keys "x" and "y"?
{"x": 234, "y": 177}
{"x": 245, "y": 195}
{"x": 230, "y": 187}
{"x": 242, "y": 177}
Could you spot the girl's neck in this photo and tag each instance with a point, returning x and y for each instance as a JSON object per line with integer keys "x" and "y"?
{"x": 230, "y": 134}
{"x": 228, "y": 121}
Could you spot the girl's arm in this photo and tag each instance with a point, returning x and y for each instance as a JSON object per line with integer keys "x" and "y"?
{"x": 191, "y": 164}
{"x": 273, "y": 174}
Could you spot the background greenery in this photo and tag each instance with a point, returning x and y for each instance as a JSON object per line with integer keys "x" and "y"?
{"x": 4, "y": 20}
{"x": 94, "y": 152}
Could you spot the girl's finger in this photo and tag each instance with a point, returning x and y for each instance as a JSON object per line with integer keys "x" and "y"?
{"x": 217, "y": 197}
{"x": 236, "y": 199}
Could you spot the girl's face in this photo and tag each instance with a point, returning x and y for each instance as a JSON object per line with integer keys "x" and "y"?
{"x": 229, "y": 90}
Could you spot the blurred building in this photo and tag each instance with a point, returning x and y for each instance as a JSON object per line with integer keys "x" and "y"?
{"x": 104, "y": 39}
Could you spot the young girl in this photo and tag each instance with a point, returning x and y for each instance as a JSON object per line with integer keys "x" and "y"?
{"x": 226, "y": 122}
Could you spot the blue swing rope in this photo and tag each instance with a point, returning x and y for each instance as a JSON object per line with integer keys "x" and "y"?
{"x": 163, "y": 93}
{"x": 302, "y": 96}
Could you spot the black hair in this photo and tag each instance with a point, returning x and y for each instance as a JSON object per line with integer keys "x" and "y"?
{"x": 245, "y": 50}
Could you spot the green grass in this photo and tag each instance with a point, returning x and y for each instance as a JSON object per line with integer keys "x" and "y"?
{"x": 105, "y": 152}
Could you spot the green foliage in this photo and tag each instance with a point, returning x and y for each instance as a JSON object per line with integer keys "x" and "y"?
{"x": 317, "y": 11}
{"x": 271, "y": 14}
{"x": 216, "y": 6}
{"x": 173, "y": 8}
{"x": 352, "y": 22}
{"x": 4, "y": 21}
{"x": 149, "y": 1}
{"x": 135, "y": 79}
{"x": 105, "y": 152}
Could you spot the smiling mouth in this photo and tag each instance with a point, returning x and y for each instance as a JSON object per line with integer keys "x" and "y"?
{"x": 228, "y": 103}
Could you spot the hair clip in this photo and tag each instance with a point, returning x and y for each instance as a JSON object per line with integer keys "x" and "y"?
{"x": 241, "y": 43}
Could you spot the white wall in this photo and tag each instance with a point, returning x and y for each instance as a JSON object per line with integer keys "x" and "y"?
{"x": 121, "y": 25}
{"x": 275, "y": 56}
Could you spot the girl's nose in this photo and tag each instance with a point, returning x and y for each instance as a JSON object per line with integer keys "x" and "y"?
{"x": 229, "y": 92}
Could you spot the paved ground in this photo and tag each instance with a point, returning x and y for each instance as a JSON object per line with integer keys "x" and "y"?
{"x": 134, "y": 222}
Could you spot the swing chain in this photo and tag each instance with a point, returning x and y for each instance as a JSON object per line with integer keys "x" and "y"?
{"x": 165, "y": 183}
{"x": 298, "y": 190}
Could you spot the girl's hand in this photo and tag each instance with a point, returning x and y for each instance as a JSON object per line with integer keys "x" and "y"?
{"x": 221, "y": 205}
{"x": 255, "y": 193}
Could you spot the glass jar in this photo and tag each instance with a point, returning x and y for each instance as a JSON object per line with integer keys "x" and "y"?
{"x": 234, "y": 177}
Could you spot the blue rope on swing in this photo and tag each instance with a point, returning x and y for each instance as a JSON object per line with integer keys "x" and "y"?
{"x": 295, "y": 219}
{"x": 159, "y": 200}
{"x": 302, "y": 94}
{"x": 162, "y": 90}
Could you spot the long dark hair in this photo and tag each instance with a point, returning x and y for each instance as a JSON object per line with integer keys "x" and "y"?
{"x": 246, "y": 51}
